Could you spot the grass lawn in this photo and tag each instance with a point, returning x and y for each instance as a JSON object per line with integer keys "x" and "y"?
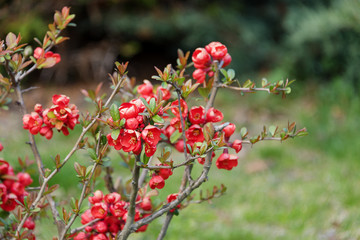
{"x": 307, "y": 188}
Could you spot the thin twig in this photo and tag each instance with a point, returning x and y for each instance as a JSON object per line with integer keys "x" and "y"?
{"x": 251, "y": 90}
{"x": 75, "y": 230}
{"x": 165, "y": 226}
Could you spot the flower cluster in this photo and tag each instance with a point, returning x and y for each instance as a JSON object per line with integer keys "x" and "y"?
{"x": 61, "y": 116}
{"x": 111, "y": 213}
{"x": 12, "y": 187}
{"x": 46, "y": 59}
{"x": 204, "y": 57}
{"x": 134, "y": 131}
{"x": 146, "y": 90}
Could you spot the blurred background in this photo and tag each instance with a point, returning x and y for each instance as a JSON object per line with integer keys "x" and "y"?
{"x": 306, "y": 188}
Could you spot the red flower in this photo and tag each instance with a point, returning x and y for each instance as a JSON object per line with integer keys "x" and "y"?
{"x": 199, "y": 75}
{"x": 99, "y": 210}
{"x": 128, "y": 110}
{"x": 56, "y": 56}
{"x": 166, "y": 95}
{"x": 98, "y": 197}
{"x": 214, "y": 115}
{"x": 217, "y": 50}
{"x": 156, "y": 182}
{"x": 1, "y": 147}
{"x": 165, "y": 173}
{"x": 8, "y": 202}
{"x": 227, "y": 161}
{"x": 149, "y": 149}
{"x": 29, "y": 224}
{"x": 132, "y": 123}
{"x": 24, "y": 179}
{"x": 32, "y": 122}
{"x": 175, "y": 108}
{"x": 61, "y": 100}
{"x": 81, "y": 236}
{"x": 229, "y": 130}
{"x": 130, "y": 141}
{"x": 237, "y": 145}
{"x": 180, "y": 145}
{"x": 146, "y": 89}
{"x": 176, "y": 124}
{"x": 197, "y": 115}
{"x": 113, "y": 197}
{"x": 201, "y": 58}
{"x": 99, "y": 236}
{"x": 101, "y": 227}
{"x": 118, "y": 209}
{"x": 151, "y": 135}
{"x": 173, "y": 197}
{"x": 115, "y": 143}
{"x": 146, "y": 204}
{"x": 227, "y": 60}
{"x": 86, "y": 217}
{"x": 139, "y": 105}
{"x": 38, "y": 52}
{"x": 195, "y": 133}
{"x": 4, "y": 167}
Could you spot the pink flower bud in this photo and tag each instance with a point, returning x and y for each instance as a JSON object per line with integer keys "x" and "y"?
{"x": 24, "y": 179}
{"x": 38, "y": 52}
{"x": 229, "y": 130}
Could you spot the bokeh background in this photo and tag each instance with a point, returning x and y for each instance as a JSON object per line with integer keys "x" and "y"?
{"x": 306, "y": 188}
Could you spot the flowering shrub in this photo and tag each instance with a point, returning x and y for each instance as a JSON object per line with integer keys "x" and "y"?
{"x": 148, "y": 124}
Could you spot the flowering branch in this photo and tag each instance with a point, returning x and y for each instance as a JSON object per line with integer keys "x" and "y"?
{"x": 72, "y": 151}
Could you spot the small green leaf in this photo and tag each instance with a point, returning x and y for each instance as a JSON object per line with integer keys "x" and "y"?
{"x": 223, "y": 71}
{"x": 175, "y": 136}
{"x": 115, "y": 134}
{"x": 164, "y": 85}
{"x": 204, "y": 92}
{"x": 243, "y": 132}
{"x": 272, "y": 130}
{"x": 288, "y": 90}
{"x": 264, "y": 82}
{"x": 231, "y": 74}
{"x": 92, "y": 153}
{"x": 122, "y": 122}
{"x": 152, "y": 104}
{"x": 158, "y": 119}
{"x": 114, "y": 112}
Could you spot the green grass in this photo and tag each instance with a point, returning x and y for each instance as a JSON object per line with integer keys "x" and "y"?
{"x": 307, "y": 188}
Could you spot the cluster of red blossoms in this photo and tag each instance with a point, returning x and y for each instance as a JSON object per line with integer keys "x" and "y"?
{"x": 12, "y": 191}
{"x": 129, "y": 139}
{"x": 111, "y": 213}
{"x": 40, "y": 53}
{"x": 12, "y": 187}
{"x": 146, "y": 90}
{"x": 195, "y": 120}
{"x": 204, "y": 57}
{"x": 61, "y": 116}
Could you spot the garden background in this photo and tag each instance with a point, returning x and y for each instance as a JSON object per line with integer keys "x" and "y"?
{"x": 307, "y": 188}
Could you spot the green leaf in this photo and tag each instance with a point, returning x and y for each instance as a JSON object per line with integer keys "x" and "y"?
{"x": 145, "y": 102}
{"x": 144, "y": 158}
{"x": 243, "y": 132}
{"x": 288, "y": 90}
{"x": 272, "y": 130}
{"x": 175, "y": 136}
{"x": 115, "y": 134}
{"x": 114, "y": 112}
{"x": 92, "y": 153}
{"x": 231, "y": 74}
{"x": 158, "y": 119}
{"x": 264, "y": 82}
{"x": 223, "y": 71}
{"x": 122, "y": 122}
{"x": 204, "y": 92}
{"x": 152, "y": 104}
{"x": 164, "y": 85}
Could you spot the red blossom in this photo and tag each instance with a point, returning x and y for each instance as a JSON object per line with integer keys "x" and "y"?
{"x": 156, "y": 182}
{"x": 237, "y": 145}
{"x": 118, "y": 209}
{"x": 115, "y": 143}
{"x": 56, "y": 56}
{"x": 101, "y": 227}
{"x": 113, "y": 197}
{"x": 128, "y": 110}
{"x": 99, "y": 210}
{"x": 173, "y": 197}
{"x": 227, "y": 60}
{"x": 217, "y": 50}
{"x": 199, "y": 75}
{"x": 146, "y": 89}
{"x": 194, "y": 133}
{"x": 38, "y": 52}
{"x": 9, "y": 202}
{"x": 29, "y": 224}
{"x": 4, "y": 167}
{"x": 24, "y": 179}
{"x": 227, "y": 161}
{"x": 146, "y": 204}
{"x": 166, "y": 95}
{"x": 201, "y": 58}
{"x": 197, "y": 115}
{"x": 149, "y": 149}
{"x": 130, "y": 141}
{"x": 32, "y": 122}
{"x": 175, "y": 108}
{"x": 98, "y": 197}
{"x": 151, "y": 135}
{"x": 214, "y": 115}
{"x": 165, "y": 173}
{"x": 229, "y": 130}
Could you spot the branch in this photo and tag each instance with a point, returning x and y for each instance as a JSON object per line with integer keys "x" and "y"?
{"x": 75, "y": 230}
{"x": 252, "y": 90}
{"x": 165, "y": 226}
{"x": 131, "y": 212}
